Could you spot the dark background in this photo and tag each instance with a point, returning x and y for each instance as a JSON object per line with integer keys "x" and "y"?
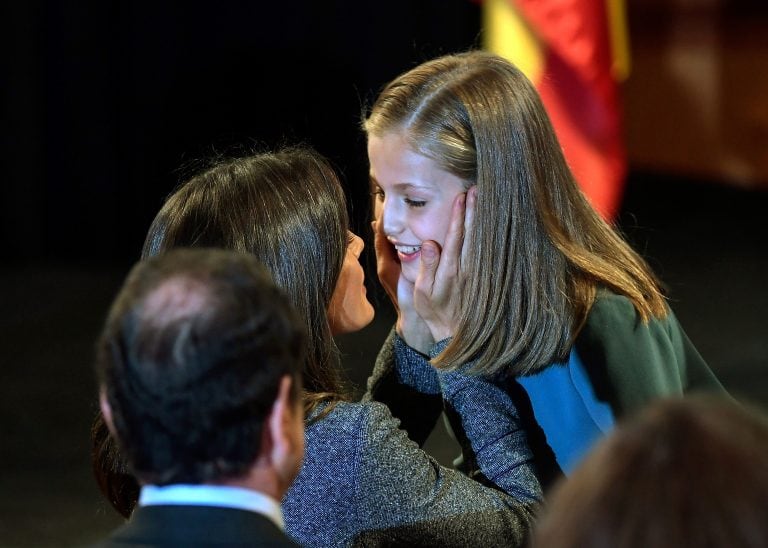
{"x": 107, "y": 106}
{"x": 106, "y": 102}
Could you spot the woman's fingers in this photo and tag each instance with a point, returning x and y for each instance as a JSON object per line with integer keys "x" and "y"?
{"x": 469, "y": 219}
{"x": 426, "y": 301}
{"x": 450, "y": 255}
{"x": 381, "y": 245}
{"x": 410, "y": 326}
{"x": 436, "y": 292}
{"x": 430, "y": 261}
{"x": 439, "y": 268}
{"x": 387, "y": 266}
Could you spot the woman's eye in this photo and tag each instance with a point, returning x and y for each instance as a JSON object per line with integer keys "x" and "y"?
{"x": 415, "y": 203}
{"x": 377, "y": 194}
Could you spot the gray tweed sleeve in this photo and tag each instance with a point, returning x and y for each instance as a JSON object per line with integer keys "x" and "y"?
{"x": 404, "y": 381}
{"x": 487, "y": 425}
{"x": 411, "y": 500}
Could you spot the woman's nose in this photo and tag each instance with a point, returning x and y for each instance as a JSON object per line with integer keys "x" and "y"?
{"x": 356, "y": 245}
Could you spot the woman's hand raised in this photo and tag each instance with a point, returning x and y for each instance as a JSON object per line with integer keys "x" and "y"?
{"x": 437, "y": 292}
{"x": 409, "y": 324}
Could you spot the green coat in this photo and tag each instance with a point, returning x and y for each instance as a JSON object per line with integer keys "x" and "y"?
{"x": 618, "y": 365}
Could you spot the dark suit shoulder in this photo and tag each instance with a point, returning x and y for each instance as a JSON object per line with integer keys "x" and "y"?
{"x": 178, "y": 525}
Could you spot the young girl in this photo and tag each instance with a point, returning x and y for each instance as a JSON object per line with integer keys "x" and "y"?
{"x": 363, "y": 481}
{"x": 548, "y": 299}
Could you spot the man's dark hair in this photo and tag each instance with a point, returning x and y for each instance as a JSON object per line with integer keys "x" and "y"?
{"x": 190, "y": 360}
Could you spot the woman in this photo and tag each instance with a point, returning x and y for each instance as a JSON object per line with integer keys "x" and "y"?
{"x": 363, "y": 481}
{"x": 547, "y": 298}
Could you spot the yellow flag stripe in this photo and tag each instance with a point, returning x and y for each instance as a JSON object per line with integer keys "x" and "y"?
{"x": 507, "y": 34}
{"x": 619, "y": 36}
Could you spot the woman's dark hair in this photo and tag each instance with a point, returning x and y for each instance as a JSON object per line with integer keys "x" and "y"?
{"x": 110, "y": 469}
{"x": 288, "y": 209}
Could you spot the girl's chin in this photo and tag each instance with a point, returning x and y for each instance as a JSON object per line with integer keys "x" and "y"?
{"x": 410, "y": 272}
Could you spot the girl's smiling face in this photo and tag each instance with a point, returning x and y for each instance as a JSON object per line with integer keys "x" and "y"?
{"x": 413, "y": 197}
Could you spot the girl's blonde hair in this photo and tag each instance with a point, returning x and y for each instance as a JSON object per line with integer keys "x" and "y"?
{"x": 539, "y": 251}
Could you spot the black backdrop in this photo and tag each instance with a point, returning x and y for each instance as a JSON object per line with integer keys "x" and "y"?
{"x": 104, "y": 102}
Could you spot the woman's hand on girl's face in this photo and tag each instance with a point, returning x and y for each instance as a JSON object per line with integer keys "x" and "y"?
{"x": 387, "y": 265}
{"x": 409, "y": 325}
{"x": 437, "y": 291}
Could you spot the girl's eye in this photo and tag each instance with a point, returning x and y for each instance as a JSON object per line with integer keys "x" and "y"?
{"x": 377, "y": 193}
{"x": 415, "y": 203}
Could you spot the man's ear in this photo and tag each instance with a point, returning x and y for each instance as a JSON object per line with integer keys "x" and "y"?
{"x": 286, "y": 433}
{"x": 106, "y": 411}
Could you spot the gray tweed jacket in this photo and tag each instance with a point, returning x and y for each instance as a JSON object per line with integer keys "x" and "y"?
{"x": 365, "y": 483}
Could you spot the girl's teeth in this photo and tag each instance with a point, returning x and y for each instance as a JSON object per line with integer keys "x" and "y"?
{"x": 407, "y": 249}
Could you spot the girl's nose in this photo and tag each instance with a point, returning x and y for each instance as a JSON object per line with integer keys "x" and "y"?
{"x": 391, "y": 218}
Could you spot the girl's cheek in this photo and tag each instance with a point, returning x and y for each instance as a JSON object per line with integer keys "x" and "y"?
{"x": 432, "y": 226}
{"x": 429, "y": 224}
{"x": 420, "y": 229}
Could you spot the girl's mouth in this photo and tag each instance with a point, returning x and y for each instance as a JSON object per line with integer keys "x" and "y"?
{"x": 407, "y": 253}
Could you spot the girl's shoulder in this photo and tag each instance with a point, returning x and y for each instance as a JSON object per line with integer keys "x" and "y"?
{"x": 614, "y": 315}
{"x": 630, "y": 361}
{"x": 615, "y": 331}
{"x": 614, "y": 305}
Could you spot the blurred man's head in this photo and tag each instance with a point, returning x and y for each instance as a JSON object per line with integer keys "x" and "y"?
{"x": 199, "y": 369}
{"x": 683, "y": 472}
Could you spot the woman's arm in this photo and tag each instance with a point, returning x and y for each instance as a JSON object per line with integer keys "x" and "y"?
{"x": 488, "y": 426}
{"x": 404, "y": 381}
{"x": 403, "y": 377}
{"x": 409, "y": 499}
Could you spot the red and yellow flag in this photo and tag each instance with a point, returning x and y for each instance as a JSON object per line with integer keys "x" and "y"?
{"x": 575, "y": 52}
